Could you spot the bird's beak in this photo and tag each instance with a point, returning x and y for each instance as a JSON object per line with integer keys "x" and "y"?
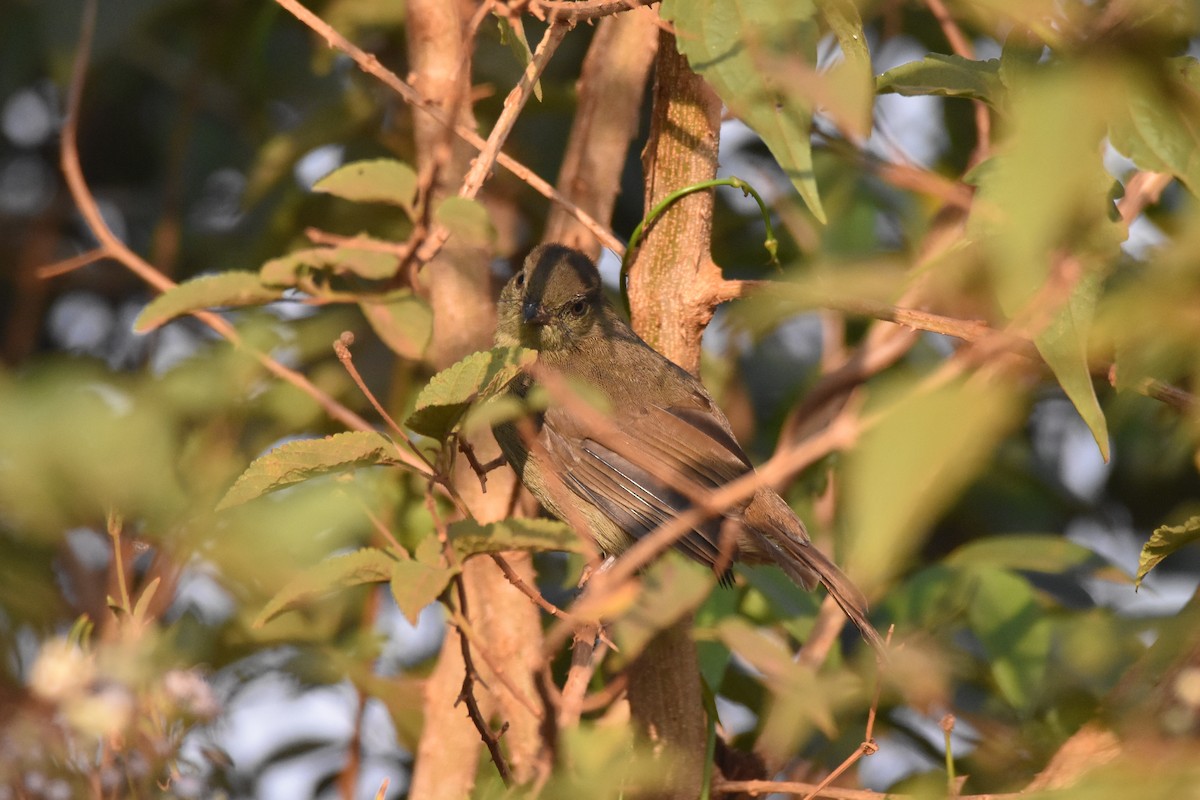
{"x": 534, "y": 314}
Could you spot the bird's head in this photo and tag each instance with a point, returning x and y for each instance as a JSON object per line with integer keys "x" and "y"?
{"x": 552, "y": 302}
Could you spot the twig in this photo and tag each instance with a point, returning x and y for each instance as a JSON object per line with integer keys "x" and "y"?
{"x": 470, "y": 674}
{"x": 114, "y": 248}
{"x": 528, "y": 590}
{"x": 868, "y": 746}
{"x": 71, "y": 264}
{"x": 962, "y": 46}
{"x": 342, "y": 348}
{"x": 583, "y": 10}
{"x": 370, "y": 65}
{"x": 584, "y": 659}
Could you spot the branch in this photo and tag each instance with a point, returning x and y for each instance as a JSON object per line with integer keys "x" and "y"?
{"x": 112, "y": 247}
{"x": 370, "y": 65}
{"x": 583, "y": 10}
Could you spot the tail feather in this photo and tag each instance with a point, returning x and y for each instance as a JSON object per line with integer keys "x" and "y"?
{"x": 805, "y": 560}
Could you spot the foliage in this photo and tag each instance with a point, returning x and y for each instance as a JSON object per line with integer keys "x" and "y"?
{"x": 179, "y": 525}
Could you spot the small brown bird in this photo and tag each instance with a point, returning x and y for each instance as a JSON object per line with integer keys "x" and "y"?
{"x": 627, "y": 477}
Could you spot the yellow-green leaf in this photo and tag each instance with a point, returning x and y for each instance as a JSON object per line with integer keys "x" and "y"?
{"x": 403, "y": 321}
{"x": 467, "y": 220}
{"x": 368, "y": 565}
{"x": 298, "y": 461}
{"x": 737, "y": 47}
{"x": 381, "y": 180}
{"x": 223, "y": 290}
{"x": 446, "y": 397}
{"x": 945, "y": 76}
{"x": 370, "y": 264}
{"x": 416, "y": 585}
{"x": 1163, "y": 542}
{"x": 472, "y": 538}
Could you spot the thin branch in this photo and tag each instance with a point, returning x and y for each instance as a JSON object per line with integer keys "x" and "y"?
{"x": 582, "y": 10}
{"x": 114, "y": 248}
{"x": 370, "y": 65}
{"x": 71, "y": 264}
{"x": 584, "y": 660}
{"x": 527, "y": 590}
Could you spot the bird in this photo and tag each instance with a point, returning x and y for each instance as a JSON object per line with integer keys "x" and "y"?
{"x": 663, "y": 439}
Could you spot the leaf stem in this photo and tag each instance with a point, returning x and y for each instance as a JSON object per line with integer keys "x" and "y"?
{"x": 771, "y": 243}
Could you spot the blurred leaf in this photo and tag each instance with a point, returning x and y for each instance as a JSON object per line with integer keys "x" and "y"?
{"x": 1033, "y": 552}
{"x": 905, "y": 470}
{"x": 851, "y": 80}
{"x": 449, "y": 393}
{"x": 1015, "y": 633}
{"x": 1064, "y": 345}
{"x": 671, "y": 587}
{"x": 298, "y": 461}
{"x": 368, "y": 565}
{"x": 403, "y": 321}
{"x": 1163, "y": 542}
{"x": 731, "y": 44}
{"x": 803, "y": 699}
{"x": 382, "y": 180}
{"x": 288, "y": 270}
{"x": 1161, "y": 128}
{"x": 208, "y": 291}
{"x": 512, "y": 33}
{"x": 416, "y": 585}
{"x": 471, "y": 538}
{"x": 467, "y": 220}
{"x": 945, "y": 76}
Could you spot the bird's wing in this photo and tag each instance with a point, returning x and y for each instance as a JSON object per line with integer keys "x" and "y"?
{"x": 639, "y": 468}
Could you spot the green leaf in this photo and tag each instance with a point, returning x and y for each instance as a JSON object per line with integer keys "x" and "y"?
{"x": 381, "y": 180}
{"x": 288, "y": 270}
{"x": 416, "y": 585}
{"x": 670, "y": 588}
{"x": 403, "y": 321}
{"x": 1033, "y": 552}
{"x": 298, "y": 461}
{"x": 737, "y": 46}
{"x": 1063, "y": 344}
{"x": 368, "y": 565}
{"x": 226, "y": 289}
{"x": 467, "y": 220}
{"x": 1161, "y": 128}
{"x": 911, "y": 464}
{"x": 1164, "y": 541}
{"x": 803, "y": 698}
{"x": 472, "y": 538}
{"x": 945, "y": 76}
{"x": 1015, "y": 633}
{"x": 448, "y": 395}
{"x": 852, "y": 79}
{"x": 514, "y": 36}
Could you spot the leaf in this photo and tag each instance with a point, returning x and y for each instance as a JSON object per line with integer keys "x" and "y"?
{"x": 1033, "y": 552}
{"x": 288, "y": 270}
{"x": 1015, "y": 633}
{"x": 1161, "y": 128}
{"x": 945, "y": 76}
{"x": 369, "y": 565}
{"x": 803, "y": 698}
{"x": 466, "y": 219}
{"x": 382, "y": 180}
{"x": 734, "y": 45}
{"x": 1063, "y": 344}
{"x": 1165, "y": 540}
{"x": 471, "y": 538}
{"x": 852, "y": 79}
{"x": 670, "y": 588}
{"x": 512, "y": 33}
{"x": 298, "y": 461}
{"x": 225, "y": 289}
{"x": 403, "y": 321}
{"x": 449, "y": 393}
{"x": 907, "y": 468}
{"x": 416, "y": 585}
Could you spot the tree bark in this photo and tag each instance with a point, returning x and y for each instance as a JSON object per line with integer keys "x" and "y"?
{"x": 458, "y": 285}
{"x": 670, "y": 308}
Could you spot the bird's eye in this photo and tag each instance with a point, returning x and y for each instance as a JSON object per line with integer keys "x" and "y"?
{"x": 578, "y": 308}
{"x": 520, "y": 279}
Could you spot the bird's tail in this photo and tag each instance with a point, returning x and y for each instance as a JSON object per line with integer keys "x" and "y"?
{"x": 804, "y": 561}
